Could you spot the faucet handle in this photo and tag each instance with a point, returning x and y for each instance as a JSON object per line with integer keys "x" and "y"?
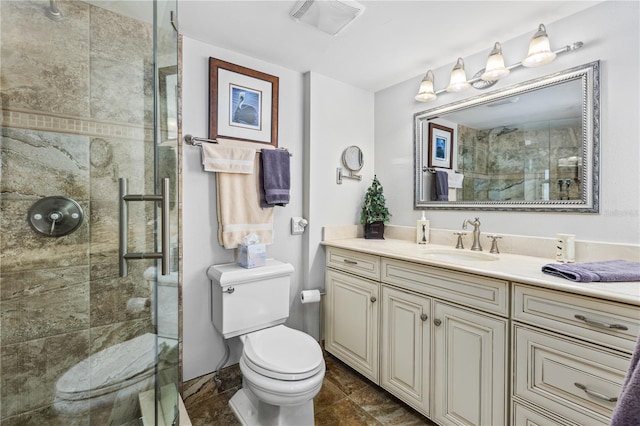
{"x": 459, "y": 244}
{"x": 494, "y": 243}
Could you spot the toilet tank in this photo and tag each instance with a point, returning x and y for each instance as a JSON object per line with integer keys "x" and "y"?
{"x": 244, "y": 300}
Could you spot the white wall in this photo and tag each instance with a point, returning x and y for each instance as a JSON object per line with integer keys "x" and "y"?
{"x": 203, "y": 348}
{"x": 610, "y": 32}
{"x": 338, "y": 116}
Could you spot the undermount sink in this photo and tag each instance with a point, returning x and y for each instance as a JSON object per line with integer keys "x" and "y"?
{"x": 458, "y": 255}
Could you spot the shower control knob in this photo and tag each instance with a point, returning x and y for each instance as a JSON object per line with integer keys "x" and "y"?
{"x": 55, "y": 216}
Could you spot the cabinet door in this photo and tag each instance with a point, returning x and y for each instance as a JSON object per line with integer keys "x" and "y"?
{"x": 470, "y": 367}
{"x": 352, "y": 321}
{"x": 405, "y": 347}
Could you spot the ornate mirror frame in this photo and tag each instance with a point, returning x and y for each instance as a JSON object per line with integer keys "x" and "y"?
{"x": 588, "y": 202}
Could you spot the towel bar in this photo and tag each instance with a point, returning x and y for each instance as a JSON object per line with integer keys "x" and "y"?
{"x": 195, "y": 141}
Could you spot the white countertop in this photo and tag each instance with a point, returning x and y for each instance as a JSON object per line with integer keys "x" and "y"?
{"x": 512, "y": 267}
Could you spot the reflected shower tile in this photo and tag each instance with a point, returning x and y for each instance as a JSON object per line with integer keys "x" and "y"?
{"x": 108, "y": 335}
{"x": 44, "y": 68}
{"x": 40, "y": 164}
{"x": 40, "y": 363}
{"x": 39, "y": 281}
{"x": 118, "y": 90}
{"x": 21, "y": 248}
{"x": 37, "y": 316}
{"x": 112, "y": 159}
{"x": 107, "y": 41}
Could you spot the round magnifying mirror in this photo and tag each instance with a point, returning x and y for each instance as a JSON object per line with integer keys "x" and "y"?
{"x": 352, "y": 158}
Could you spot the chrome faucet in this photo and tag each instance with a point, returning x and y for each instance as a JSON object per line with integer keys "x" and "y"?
{"x": 476, "y": 233}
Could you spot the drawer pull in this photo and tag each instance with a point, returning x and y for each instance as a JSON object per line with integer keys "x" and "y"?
{"x": 596, "y": 394}
{"x": 373, "y": 299}
{"x": 600, "y": 323}
{"x": 424, "y": 317}
{"x": 437, "y": 322}
{"x": 350, "y": 262}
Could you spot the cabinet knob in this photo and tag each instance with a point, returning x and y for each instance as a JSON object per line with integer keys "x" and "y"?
{"x": 373, "y": 299}
{"x": 437, "y": 322}
{"x": 424, "y": 317}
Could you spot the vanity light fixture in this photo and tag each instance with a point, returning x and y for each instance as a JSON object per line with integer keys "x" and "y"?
{"x": 495, "y": 69}
{"x": 540, "y": 53}
{"x": 539, "y": 49}
{"x": 458, "y": 80}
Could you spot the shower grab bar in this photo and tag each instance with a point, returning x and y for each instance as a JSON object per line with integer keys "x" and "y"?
{"x": 195, "y": 141}
{"x": 164, "y": 253}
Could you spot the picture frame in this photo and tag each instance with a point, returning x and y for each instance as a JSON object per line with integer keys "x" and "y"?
{"x": 440, "y": 146}
{"x": 243, "y": 103}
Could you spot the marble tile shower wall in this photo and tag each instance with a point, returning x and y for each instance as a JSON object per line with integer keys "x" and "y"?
{"x": 512, "y": 166}
{"x": 77, "y": 114}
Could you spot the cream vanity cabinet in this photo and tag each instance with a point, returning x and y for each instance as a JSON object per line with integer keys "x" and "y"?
{"x": 352, "y": 310}
{"x": 443, "y": 334}
{"x": 570, "y": 356}
{"x": 466, "y": 354}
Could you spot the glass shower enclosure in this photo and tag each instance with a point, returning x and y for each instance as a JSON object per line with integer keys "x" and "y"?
{"x": 88, "y": 96}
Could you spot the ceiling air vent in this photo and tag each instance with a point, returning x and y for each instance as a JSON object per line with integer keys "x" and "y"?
{"x": 330, "y": 16}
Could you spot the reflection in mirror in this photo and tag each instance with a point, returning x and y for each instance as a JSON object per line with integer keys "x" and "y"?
{"x": 532, "y": 146}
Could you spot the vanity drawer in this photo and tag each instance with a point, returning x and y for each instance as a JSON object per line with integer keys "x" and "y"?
{"x": 608, "y": 323}
{"x": 365, "y": 265}
{"x": 566, "y": 376}
{"x": 487, "y": 294}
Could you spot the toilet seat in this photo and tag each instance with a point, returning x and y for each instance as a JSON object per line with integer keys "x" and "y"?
{"x": 283, "y": 353}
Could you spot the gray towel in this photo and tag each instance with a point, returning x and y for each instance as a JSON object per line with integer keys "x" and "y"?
{"x": 275, "y": 180}
{"x": 607, "y": 271}
{"x": 440, "y": 188}
{"x": 627, "y": 411}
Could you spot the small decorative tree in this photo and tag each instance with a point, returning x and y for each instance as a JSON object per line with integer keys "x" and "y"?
{"x": 374, "y": 211}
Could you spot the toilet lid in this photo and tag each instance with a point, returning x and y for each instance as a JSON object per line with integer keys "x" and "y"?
{"x": 111, "y": 369}
{"x": 283, "y": 353}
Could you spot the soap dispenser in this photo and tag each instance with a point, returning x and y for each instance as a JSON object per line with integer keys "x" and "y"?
{"x": 422, "y": 230}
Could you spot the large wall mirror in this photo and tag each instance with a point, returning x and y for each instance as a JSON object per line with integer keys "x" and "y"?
{"x": 533, "y": 146}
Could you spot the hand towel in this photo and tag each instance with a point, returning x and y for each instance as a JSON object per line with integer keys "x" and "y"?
{"x": 276, "y": 177}
{"x": 440, "y": 186}
{"x": 239, "y": 211}
{"x": 607, "y": 271}
{"x": 627, "y": 410}
{"x": 455, "y": 179}
{"x": 227, "y": 159}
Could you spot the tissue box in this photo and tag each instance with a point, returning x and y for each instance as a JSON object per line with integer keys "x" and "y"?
{"x": 252, "y": 255}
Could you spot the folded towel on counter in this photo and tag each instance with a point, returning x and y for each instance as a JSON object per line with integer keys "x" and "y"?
{"x": 627, "y": 410}
{"x": 227, "y": 159}
{"x": 607, "y": 271}
{"x": 440, "y": 187}
{"x": 239, "y": 211}
{"x": 275, "y": 177}
{"x": 455, "y": 179}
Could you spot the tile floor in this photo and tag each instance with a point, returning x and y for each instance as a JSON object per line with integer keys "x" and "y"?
{"x": 346, "y": 398}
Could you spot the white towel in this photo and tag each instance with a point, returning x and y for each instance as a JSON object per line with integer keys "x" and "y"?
{"x": 239, "y": 211}
{"x": 455, "y": 179}
{"x": 227, "y": 159}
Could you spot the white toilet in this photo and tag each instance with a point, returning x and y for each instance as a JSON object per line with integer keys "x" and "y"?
{"x": 282, "y": 369}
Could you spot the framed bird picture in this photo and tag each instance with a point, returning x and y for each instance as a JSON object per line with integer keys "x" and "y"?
{"x": 243, "y": 103}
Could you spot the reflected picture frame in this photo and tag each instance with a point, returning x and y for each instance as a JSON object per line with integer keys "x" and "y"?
{"x": 243, "y": 103}
{"x": 440, "y": 150}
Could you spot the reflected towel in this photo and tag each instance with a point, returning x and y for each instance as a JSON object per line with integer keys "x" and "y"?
{"x": 455, "y": 179}
{"x": 440, "y": 187}
{"x": 239, "y": 211}
{"x": 607, "y": 271}
{"x": 227, "y": 159}
{"x": 275, "y": 177}
{"x": 627, "y": 411}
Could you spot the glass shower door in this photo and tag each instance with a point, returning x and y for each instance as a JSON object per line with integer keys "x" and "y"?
{"x": 80, "y": 101}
